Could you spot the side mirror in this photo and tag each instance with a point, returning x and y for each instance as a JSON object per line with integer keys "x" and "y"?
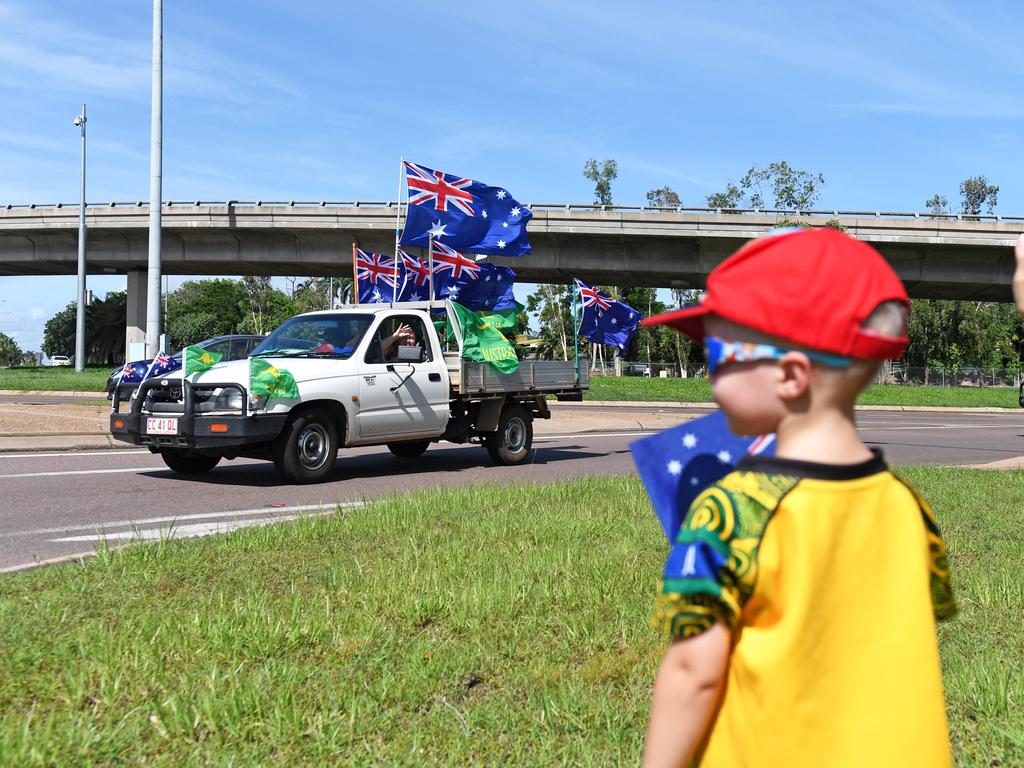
{"x": 410, "y": 354}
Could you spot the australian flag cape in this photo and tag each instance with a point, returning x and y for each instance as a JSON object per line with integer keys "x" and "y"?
{"x": 676, "y": 465}
{"x": 463, "y": 214}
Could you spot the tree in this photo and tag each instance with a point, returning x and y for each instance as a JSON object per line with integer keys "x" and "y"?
{"x": 105, "y": 325}
{"x": 663, "y": 197}
{"x": 316, "y": 292}
{"x": 789, "y": 188}
{"x": 552, "y": 304}
{"x": 200, "y": 309}
{"x": 977, "y": 193}
{"x": 265, "y": 307}
{"x": 937, "y": 203}
{"x": 732, "y": 197}
{"x": 602, "y": 176}
{"x": 10, "y": 354}
{"x": 59, "y": 333}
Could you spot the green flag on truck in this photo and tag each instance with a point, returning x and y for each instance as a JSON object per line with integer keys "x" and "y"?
{"x": 197, "y": 360}
{"x": 483, "y": 342}
{"x": 267, "y": 380}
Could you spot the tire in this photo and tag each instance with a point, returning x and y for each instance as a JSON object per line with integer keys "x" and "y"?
{"x": 187, "y": 463}
{"x": 1020, "y": 397}
{"x": 409, "y": 450}
{"x": 307, "y": 447}
{"x": 511, "y": 444}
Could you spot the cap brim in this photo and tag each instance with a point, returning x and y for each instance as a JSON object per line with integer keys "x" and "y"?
{"x": 688, "y": 320}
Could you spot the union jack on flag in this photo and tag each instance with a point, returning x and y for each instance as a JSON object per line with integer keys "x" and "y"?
{"x": 376, "y": 280}
{"x": 446, "y": 258}
{"x": 161, "y": 364}
{"x": 437, "y": 188}
{"x": 417, "y": 271}
{"x": 594, "y": 298}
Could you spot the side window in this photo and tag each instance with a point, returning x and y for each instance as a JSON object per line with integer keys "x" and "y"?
{"x": 240, "y": 348}
{"x": 395, "y": 331}
{"x": 220, "y": 348}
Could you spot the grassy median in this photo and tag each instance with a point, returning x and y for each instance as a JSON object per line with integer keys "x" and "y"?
{"x": 486, "y": 625}
{"x": 59, "y": 379}
{"x": 637, "y": 388}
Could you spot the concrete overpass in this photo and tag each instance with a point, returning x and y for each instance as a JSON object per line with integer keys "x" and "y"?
{"x": 945, "y": 256}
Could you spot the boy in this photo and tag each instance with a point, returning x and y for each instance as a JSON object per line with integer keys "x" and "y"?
{"x": 802, "y": 592}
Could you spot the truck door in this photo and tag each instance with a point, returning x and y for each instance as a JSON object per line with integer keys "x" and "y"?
{"x": 401, "y": 397}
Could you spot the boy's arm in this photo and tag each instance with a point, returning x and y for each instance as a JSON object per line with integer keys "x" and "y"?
{"x": 1018, "y": 276}
{"x": 686, "y": 693}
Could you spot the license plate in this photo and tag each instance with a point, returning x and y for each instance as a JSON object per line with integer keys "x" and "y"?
{"x": 162, "y": 426}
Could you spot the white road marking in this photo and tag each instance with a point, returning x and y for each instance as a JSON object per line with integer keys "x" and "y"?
{"x": 578, "y": 435}
{"x": 197, "y": 516}
{"x": 82, "y": 472}
{"x": 38, "y": 455}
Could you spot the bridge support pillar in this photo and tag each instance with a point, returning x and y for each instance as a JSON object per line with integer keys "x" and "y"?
{"x": 136, "y": 329}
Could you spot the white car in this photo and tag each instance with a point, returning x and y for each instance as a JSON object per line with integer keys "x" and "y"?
{"x": 60, "y": 360}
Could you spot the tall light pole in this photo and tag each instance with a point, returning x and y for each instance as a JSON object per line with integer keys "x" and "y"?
{"x": 80, "y": 315}
{"x": 155, "y": 191}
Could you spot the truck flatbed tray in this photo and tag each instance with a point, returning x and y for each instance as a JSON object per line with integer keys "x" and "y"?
{"x": 541, "y": 376}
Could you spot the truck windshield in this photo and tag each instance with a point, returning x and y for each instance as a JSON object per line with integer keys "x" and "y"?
{"x": 333, "y": 335}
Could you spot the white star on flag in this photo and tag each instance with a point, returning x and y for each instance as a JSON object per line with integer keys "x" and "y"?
{"x": 690, "y": 440}
{"x": 454, "y": 291}
{"x": 614, "y": 321}
{"x": 675, "y": 467}
{"x": 377, "y": 295}
{"x": 504, "y": 224}
{"x": 694, "y": 481}
{"x": 415, "y": 297}
{"x": 501, "y": 243}
{"x": 438, "y": 229}
{"x": 725, "y": 457}
{"x": 484, "y": 213}
{"x": 515, "y": 211}
{"x": 501, "y": 194}
{"x": 487, "y": 279}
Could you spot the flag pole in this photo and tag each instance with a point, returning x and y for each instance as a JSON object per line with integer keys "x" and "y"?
{"x": 430, "y": 275}
{"x": 576, "y": 331}
{"x": 355, "y": 277}
{"x": 398, "y": 223}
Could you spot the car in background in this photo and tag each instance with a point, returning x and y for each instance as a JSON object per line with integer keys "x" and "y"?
{"x": 232, "y": 347}
{"x": 60, "y": 360}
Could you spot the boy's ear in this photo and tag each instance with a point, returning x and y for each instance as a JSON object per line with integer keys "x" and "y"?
{"x": 794, "y": 375}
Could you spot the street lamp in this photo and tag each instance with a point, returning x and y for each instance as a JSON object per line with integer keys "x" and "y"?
{"x": 80, "y": 316}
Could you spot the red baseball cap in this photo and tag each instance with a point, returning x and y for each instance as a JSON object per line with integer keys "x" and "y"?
{"x": 814, "y": 288}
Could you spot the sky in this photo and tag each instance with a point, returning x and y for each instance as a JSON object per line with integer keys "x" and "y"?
{"x": 313, "y": 100}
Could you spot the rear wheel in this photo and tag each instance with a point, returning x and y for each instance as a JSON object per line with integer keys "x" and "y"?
{"x": 187, "y": 462}
{"x": 307, "y": 447}
{"x": 511, "y": 444}
{"x": 410, "y": 449}
{"x": 1020, "y": 397}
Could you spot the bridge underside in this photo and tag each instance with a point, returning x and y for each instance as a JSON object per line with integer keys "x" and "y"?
{"x": 964, "y": 272}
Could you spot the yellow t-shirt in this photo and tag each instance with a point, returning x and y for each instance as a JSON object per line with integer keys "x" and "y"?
{"x": 831, "y": 578}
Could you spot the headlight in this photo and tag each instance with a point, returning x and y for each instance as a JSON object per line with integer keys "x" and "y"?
{"x": 229, "y": 400}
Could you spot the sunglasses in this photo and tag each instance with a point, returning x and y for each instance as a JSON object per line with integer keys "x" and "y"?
{"x": 718, "y": 352}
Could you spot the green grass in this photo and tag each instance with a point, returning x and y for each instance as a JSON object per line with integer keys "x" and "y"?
{"x": 63, "y": 378}
{"x": 472, "y": 626}
{"x": 637, "y": 388}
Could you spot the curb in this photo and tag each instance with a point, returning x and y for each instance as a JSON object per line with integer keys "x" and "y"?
{"x": 79, "y": 557}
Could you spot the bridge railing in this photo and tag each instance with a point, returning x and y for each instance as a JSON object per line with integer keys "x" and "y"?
{"x": 777, "y": 212}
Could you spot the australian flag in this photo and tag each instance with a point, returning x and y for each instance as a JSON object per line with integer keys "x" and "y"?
{"x": 132, "y": 373}
{"x": 162, "y": 364}
{"x": 416, "y": 285}
{"x": 463, "y": 214}
{"x": 375, "y": 278}
{"x": 677, "y": 464}
{"x": 475, "y": 285}
{"x": 606, "y": 320}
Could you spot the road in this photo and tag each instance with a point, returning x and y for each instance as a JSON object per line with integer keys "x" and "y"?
{"x": 60, "y": 503}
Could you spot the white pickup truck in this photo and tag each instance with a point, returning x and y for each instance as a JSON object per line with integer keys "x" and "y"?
{"x": 362, "y": 380}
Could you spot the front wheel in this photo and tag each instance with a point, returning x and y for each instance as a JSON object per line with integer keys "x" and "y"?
{"x": 307, "y": 448}
{"x": 511, "y": 444}
{"x": 410, "y": 449}
{"x": 1020, "y": 397}
{"x": 187, "y": 463}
